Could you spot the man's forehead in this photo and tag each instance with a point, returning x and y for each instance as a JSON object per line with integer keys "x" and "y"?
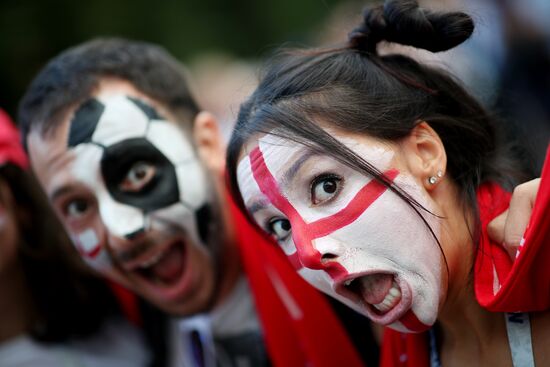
{"x": 106, "y": 120}
{"x": 48, "y": 150}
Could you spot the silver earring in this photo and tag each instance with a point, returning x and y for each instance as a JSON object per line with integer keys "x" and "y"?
{"x": 433, "y": 179}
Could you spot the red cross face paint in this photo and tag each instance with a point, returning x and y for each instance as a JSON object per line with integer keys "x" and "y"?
{"x": 345, "y": 233}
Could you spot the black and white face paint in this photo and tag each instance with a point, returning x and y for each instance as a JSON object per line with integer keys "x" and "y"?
{"x": 142, "y": 170}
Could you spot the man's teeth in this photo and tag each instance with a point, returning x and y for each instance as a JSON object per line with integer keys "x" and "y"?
{"x": 392, "y": 298}
{"x": 152, "y": 261}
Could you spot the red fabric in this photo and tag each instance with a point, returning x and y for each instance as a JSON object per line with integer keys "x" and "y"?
{"x": 404, "y": 350}
{"x": 520, "y": 281}
{"x": 127, "y": 301}
{"x": 11, "y": 150}
{"x": 299, "y": 326}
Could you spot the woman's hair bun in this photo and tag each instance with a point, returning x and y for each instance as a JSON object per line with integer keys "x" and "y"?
{"x": 404, "y": 22}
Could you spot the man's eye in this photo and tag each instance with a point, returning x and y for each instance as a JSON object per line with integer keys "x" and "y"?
{"x": 76, "y": 208}
{"x": 279, "y": 228}
{"x": 138, "y": 176}
{"x": 324, "y": 188}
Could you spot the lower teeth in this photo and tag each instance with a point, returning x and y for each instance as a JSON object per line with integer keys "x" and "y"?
{"x": 389, "y": 301}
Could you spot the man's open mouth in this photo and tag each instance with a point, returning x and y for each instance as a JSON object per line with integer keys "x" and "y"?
{"x": 384, "y": 298}
{"x": 164, "y": 267}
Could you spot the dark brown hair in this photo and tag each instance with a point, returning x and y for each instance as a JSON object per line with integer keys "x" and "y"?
{"x": 68, "y": 300}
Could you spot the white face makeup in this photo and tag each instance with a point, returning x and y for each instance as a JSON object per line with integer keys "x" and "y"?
{"x": 133, "y": 196}
{"x": 345, "y": 233}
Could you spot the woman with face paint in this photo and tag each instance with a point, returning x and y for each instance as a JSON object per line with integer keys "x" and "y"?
{"x": 53, "y": 312}
{"x": 377, "y": 176}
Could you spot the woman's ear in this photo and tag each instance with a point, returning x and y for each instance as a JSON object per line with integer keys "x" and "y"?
{"x": 425, "y": 155}
{"x": 209, "y": 141}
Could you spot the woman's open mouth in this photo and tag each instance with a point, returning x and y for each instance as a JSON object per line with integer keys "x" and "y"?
{"x": 384, "y": 298}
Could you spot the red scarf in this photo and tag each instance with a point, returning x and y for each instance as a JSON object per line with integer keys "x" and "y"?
{"x": 517, "y": 284}
{"x": 11, "y": 150}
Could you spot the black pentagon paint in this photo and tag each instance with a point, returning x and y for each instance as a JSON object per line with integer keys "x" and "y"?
{"x": 203, "y": 217}
{"x": 148, "y": 110}
{"x": 84, "y": 122}
{"x": 117, "y": 160}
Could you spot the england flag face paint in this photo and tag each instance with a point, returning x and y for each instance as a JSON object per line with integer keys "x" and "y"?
{"x": 135, "y": 198}
{"x": 345, "y": 233}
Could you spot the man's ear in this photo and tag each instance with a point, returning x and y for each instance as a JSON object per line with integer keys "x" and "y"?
{"x": 425, "y": 155}
{"x": 209, "y": 141}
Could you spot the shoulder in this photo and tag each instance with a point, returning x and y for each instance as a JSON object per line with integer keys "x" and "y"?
{"x": 116, "y": 344}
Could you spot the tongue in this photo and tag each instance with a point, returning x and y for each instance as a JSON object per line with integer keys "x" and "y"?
{"x": 375, "y": 287}
{"x": 169, "y": 268}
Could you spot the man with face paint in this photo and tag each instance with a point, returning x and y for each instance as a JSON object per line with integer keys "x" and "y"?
{"x": 139, "y": 193}
{"x": 136, "y": 173}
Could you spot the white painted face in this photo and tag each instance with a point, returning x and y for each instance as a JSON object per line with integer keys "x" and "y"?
{"x": 134, "y": 197}
{"x": 344, "y": 232}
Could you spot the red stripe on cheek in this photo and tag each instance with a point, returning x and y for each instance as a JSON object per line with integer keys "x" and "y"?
{"x": 308, "y": 255}
{"x": 90, "y": 253}
{"x": 303, "y": 234}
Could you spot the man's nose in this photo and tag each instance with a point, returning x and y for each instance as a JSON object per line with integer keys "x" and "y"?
{"x": 124, "y": 223}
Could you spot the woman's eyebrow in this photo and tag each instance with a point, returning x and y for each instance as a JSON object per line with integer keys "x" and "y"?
{"x": 257, "y": 205}
{"x": 289, "y": 174}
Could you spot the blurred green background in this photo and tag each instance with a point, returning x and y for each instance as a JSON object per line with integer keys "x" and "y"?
{"x": 33, "y": 31}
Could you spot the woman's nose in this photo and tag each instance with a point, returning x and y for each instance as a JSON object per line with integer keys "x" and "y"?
{"x": 329, "y": 247}
{"x": 316, "y": 253}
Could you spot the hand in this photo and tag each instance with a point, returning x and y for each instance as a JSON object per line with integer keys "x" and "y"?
{"x": 509, "y": 227}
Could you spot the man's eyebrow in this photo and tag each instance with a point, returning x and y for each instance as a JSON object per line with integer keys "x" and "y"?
{"x": 289, "y": 174}
{"x": 59, "y": 192}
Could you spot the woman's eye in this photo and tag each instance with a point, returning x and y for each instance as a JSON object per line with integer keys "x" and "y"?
{"x": 75, "y": 209}
{"x": 280, "y": 228}
{"x": 324, "y": 188}
{"x": 138, "y": 176}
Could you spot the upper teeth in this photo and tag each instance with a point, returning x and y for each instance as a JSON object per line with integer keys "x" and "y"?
{"x": 152, "y": 261}
{"x": 392, "y": 298}
{"x": 348, "y": 282}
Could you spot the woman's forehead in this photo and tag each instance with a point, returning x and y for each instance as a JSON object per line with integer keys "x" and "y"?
{"x": 279, "y": 151}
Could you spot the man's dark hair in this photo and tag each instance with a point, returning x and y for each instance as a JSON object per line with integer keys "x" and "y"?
{"x": 71, "y": 77}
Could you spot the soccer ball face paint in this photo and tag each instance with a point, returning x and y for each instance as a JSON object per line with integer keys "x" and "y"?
{"x": 140, "y": 167}
{"x": 345, "y": 233}
{"x": 135, "y": 199}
